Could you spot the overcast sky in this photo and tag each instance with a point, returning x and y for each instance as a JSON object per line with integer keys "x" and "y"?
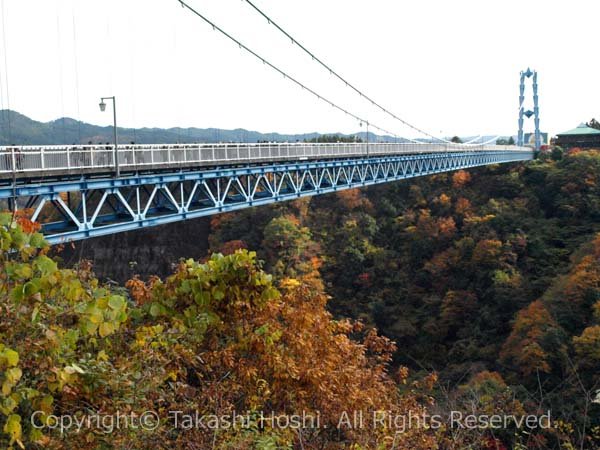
{"x": 450, "y": 67}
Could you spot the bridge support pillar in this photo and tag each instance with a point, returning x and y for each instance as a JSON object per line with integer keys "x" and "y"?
{"x": 536, "y": 110}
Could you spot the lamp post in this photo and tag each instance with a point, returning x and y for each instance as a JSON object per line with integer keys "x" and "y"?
{"x": 103, "y": 108}
{"x": 367, "y": 122}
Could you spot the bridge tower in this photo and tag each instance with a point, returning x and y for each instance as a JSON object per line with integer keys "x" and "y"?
{"x": 529, "y": 74}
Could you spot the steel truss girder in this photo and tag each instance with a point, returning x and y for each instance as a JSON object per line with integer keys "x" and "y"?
{"x": 97, "y": 207}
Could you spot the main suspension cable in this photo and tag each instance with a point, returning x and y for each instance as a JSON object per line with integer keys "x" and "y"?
{"x": 338, "y": 76}
{"x": 285, "y": 74}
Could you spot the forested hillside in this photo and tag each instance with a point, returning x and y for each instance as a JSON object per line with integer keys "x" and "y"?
{"x": 220, "y": 339}
{"x": 475, "y": 291}
{"x": 491, "y": 273}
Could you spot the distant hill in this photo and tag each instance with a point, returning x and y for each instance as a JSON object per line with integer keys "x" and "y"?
{"x": 26, "y": 131}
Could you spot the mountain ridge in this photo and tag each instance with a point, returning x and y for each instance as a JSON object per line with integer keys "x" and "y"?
{"x": 19, "y": 129}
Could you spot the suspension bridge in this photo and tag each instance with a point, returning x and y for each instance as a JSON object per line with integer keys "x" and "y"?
{"x": 83, "y": 191}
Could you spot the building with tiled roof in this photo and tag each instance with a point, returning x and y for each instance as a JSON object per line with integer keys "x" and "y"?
{"x": 582, "y": 137}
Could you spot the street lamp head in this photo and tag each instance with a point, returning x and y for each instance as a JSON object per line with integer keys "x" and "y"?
{"x": 102, "y": 105}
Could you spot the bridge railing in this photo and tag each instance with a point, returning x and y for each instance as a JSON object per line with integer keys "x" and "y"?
{"x": 26, "y": 159}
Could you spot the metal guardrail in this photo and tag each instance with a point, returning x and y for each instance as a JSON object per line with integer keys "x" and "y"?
{"x": 100, "y": 158}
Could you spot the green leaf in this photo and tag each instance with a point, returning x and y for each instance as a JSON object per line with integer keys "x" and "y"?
{"x": 155, "y": 310}
{"x": 13, "y": 375}
{"x": 24, "y": 271}
{"x": 270, "y": 293}
{"x": 185, "y": 287}
{"x": 45, "y": 265}
{"x": 19, "y": 238}
{"x": 90, "y": 328}
{"x": 102, "y": 303}
{"x": 95, "y": 315}
{"x": 13, "y": 427}
{"x": 30, "y": 288}
{"x": 5, "y": 219}
{"x": 262, "y": 330}
{"x": 74, "y": 368}
{"x": 35, "y": 315}
{"x": 17, "y": 293}
{"x": 12, "y": 357}
{"x": 46, "y": 403}
{"x": 106, "y": 329}
{"x": 116, "y": 302}
{"x": 202, "y": 298}
{"x": 218, "y": 294}
{"x": 11, "y": 378}
{"x": 8, "y": 405}
{"x": 37, "y": 240}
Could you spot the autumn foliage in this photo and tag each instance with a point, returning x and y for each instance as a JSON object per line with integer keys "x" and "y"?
{"x": 215, "y": 337}
{"x": 524, "y": 347}
{"x": 485, "y": 284}
{"x": 479, "y": 271}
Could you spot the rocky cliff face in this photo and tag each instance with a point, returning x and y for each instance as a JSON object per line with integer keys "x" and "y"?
{"x": 150, "y": 251}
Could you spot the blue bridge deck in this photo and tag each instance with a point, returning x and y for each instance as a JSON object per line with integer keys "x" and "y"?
{"x": 86, "y": 200}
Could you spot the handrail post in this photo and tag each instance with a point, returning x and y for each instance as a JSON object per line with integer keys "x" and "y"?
{"x": 12, "y": 153}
